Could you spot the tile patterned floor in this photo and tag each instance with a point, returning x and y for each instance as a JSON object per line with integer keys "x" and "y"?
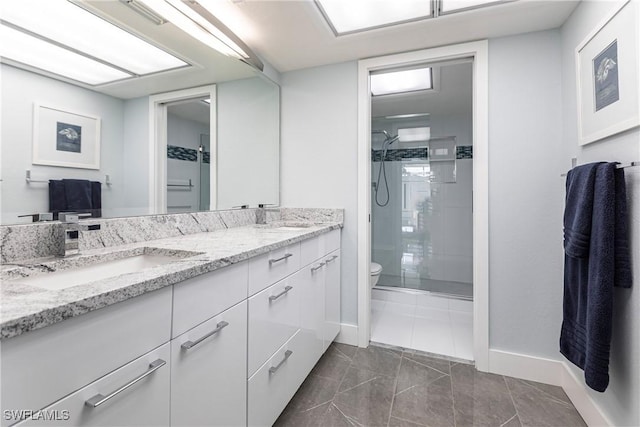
{"x": 425, "y": 322}
{"x": 383, "y": 387}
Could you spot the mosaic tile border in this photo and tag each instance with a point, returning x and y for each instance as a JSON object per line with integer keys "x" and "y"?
{"x": 462, "y": 152}
{"x": 182, "y": 153}
{"x": 189, "y": 154}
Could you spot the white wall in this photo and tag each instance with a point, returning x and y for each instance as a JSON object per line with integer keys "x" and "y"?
{"x": 621, "y": 401}
{"x": 20, "y": 89}
{"x": 247, "y": 155}
{"x": 319, "y": 155}
{"x": 526, "y": 193}
{"x": 136, "y": 157}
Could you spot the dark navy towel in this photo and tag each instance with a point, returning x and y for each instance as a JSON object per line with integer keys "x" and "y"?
{"x": 75, "y": 195}
{"x": 57, "y": 198}
{"x": 96, "y": 199}
{"x": 78, "y": 193}
{"x": 596, "y": 260}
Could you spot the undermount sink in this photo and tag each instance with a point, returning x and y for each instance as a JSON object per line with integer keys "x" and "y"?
{"x": 62, "y": 279}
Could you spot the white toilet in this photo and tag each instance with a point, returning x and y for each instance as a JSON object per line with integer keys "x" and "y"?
{"x": 376, "y": 269}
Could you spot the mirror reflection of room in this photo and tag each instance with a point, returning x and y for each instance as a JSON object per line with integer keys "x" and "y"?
{"x": 188, "y": 155}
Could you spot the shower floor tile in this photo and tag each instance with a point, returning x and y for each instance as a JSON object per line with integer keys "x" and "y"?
{"x": 432, "y": 324}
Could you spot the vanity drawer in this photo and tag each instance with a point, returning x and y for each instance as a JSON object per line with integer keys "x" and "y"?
{"x": 274, "y": 316}
{"x": 200, "y": 298}
{"x": 267, "y": 269}
{"x": 209, "y": 377}
{"x": 144, "y": 403}
{"x": 42, "y": 366}
{"x": 317, "y": 247}
{"x": 275, "y": 383}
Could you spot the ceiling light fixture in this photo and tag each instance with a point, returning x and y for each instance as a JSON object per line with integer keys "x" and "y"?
{"x": 401, "y": 81}
{"x": 144, "y": 11}
{"x": 199, "y": 22}
{"x": 450, "y": 6}
{"x": 407, "y": 116}
{"x": 346, "y": 17}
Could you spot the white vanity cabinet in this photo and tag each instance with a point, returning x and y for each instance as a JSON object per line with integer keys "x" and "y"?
{"x": 281, "y": 351}
{"x": 226, "y": 348}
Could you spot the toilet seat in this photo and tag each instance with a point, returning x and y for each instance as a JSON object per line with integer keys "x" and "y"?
{"x": 375, "y": 268}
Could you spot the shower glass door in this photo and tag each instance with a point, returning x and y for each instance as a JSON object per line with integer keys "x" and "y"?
{"x": 423, "y": 236}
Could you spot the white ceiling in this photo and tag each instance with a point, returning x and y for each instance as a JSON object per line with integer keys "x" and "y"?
{"x": 292, "y": 35}
{"x": 197, "y": 111}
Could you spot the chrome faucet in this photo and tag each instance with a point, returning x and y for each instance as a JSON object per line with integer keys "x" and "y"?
{"x": 261, "y": 213}
{"x": 71, "y": 228}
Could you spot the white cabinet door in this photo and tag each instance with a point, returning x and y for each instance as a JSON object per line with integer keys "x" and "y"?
{"x": 312, "y": 309}
{"x": 208, "y": 372}
{"x": 137, "y": 394}
{"x": 332, "y": 298}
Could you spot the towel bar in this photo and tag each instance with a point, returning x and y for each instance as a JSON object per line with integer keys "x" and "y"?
{"x": 620, "y": 166}
{"x": 107, "y": 179}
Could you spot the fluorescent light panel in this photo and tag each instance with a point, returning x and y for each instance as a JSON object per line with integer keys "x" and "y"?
{"x": 453, "y": 5}
{"x": 414, "y": 134}
{"x": 194, "y": 24}
{"x": 37, "y": 53}
{"x": 357, "y": 15}
{"x": 407, "y": 116}
{"x": 71, "y": 25}
{"x": 401, "y": 81}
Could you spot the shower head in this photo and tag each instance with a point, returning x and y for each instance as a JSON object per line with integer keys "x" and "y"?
{"x": 384, "y": 132}
{"x": 391, "y": 139}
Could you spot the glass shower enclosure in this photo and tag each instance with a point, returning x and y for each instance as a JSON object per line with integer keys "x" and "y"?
{"x": 422, "y": 236}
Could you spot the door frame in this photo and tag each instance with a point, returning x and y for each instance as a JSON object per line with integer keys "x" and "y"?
{"x": 158, "y": 143}
{"x": 479, "y": 52}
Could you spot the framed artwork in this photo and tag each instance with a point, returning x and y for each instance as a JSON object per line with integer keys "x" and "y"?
{"x": 64, "y": 138}
{"x": 607, "y": 76}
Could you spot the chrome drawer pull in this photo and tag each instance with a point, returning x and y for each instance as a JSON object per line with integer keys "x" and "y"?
{"x": 275, "y": 297}
{"x": 99, "y": 399}
{"x": 282, "y": 258}
{"x": 331, "y": 259}
{"x": 274, "y": 369}
{"x": 190, "y": 344}
{"x": 318, "y": 267}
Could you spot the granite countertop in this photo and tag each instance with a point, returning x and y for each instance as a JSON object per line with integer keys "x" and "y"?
{"x": 25, "y": 308}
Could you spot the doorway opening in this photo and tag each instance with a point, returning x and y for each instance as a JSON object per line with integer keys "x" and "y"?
{"x": 421, "y": 210}
{"x": 430, "y": 263}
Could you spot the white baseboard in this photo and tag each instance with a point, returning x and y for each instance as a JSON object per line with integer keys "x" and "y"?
{"x": 526, "y": 367}
{"x": 586, "y": 406}
{"x": 348, "y": 334}
{"x": 549, "y": 371}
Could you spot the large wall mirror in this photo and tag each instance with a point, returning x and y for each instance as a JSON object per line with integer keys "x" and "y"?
{"x": 201, "y": 136}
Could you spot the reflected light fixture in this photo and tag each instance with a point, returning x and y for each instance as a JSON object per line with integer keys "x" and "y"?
{"x": 386, "y": 83}
{"x": 198, "y": 22}
{"x": 68, "y": 40}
